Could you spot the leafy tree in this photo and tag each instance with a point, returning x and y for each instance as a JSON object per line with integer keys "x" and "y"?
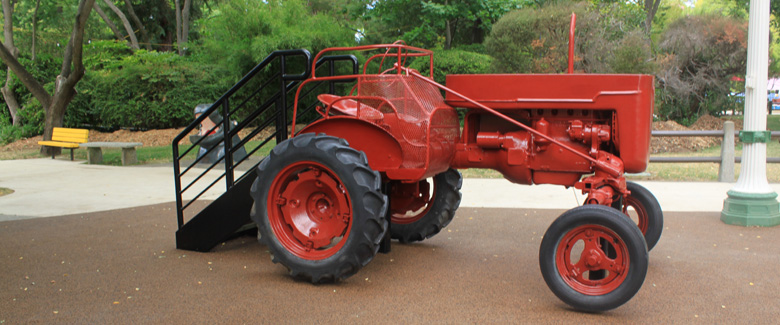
{"x": 699, "y": 55}
{"x": 72, "y": 70}
{"x": 445, "y": 22}
{"x": 350, "y": 14}
{"x": 240, "y": 33}
{"x": 50, "y": 25}
{"x": 21, "y": 19}
{"x": 109, "y": 22}
{"x": 774, "y": 10}
{"x": 125, "y": 22}
{"x": 668, "y": 12}
{"x": 160, "y": 23}
{"x": 651, "y": 8}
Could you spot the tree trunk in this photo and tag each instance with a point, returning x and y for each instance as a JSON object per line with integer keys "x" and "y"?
{"x": 8, "y": 30}
{"x": 651, "y": 7}
{"x": 8, "y": 35}
{"x": 108, "y": 21}
{"x": 477, "y": 34}
{"x": 182, "y": 25}
{"x": 134, "y": 17}
{"x": 168, "y": 37}
{"x": 185, "y": 24}
{"x": 34, "y": 28}
{"x": 55, "y": 115}
{"x": 448, "y": 35}
{"x": 35, "y": 88}
{"x": 71, "y": 73}
{"x": 10, "y": 101}
{"x": 126, "y": 23}
{"x": 179, "y": 42}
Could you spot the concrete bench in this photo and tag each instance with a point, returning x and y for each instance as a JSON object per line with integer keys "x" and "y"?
{"x": 95, "y": 151}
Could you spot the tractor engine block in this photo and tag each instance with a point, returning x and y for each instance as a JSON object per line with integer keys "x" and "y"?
{"x": 524, "y": 158}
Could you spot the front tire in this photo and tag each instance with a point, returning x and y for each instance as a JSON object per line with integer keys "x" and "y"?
{"x": 643, "y": 208}
{"x": 319, "y": 208}
{"x": 593, "y": 238}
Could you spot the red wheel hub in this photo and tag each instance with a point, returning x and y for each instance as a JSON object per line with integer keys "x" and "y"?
{"x": 640, "y": 211}
{"x": 309, "y": 210}
{"x": 410, "y": 202}
{"x": 581, "y": 251}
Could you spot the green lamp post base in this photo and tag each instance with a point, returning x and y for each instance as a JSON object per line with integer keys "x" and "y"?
{"x": 751, "y": 209}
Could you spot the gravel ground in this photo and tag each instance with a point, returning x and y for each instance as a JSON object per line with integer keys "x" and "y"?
{"x": 122, "y": 267}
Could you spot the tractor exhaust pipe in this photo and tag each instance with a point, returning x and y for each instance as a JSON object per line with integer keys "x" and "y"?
{"x": 572, "y": 26}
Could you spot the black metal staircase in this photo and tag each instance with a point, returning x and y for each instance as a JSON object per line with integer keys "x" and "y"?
{"x": 260, "y": 101}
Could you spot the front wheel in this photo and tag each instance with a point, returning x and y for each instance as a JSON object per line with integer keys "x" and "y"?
{"x": 642, "y": 207}
{"x": 319, "y": 208}
{"x": 593, "y": 239}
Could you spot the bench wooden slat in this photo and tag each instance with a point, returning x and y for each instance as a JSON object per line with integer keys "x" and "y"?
{"x": 70, "y": 135}
{"x": 59, "y": 144}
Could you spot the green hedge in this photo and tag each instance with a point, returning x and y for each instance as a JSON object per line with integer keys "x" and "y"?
{"x": 455, "y": 61}
{"x": 149, "y": 90}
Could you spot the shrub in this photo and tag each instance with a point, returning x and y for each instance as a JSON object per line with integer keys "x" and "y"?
{"x": 536, "y": 40}
{"x": 632, "y": 55}
{"x": 150, "y": 90}
{"x": 454, "y": 62}
{"x": 699, "y": 55}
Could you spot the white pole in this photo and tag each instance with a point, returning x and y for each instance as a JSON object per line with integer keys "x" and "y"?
{"x": 752, "y": 202}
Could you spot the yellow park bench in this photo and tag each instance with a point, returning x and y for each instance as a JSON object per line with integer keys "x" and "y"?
{"x": 66, "y": 138}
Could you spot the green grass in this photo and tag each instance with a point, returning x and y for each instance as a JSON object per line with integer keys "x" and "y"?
{"x": 773, "y": 123}
{"x": 480, "y": 173}
{"x": 709, "y": 171}
{"x": 5, "y": 191}
{"x": 23, "y": 154}
{"x": 146, "y": 155}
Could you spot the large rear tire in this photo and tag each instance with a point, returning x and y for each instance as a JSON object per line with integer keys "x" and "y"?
{"x": 593, "y": 238}
{"x": 319, "y": 208}
{"x": 424, "y": 212}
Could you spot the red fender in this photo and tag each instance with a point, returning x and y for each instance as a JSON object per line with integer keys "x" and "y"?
{"x": 381, "y": 148}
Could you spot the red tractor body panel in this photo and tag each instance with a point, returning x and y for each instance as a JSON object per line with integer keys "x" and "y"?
{"x": 382, "y": 149}
{"x": 423, "y": 129}
{"x": 563, "y": 98}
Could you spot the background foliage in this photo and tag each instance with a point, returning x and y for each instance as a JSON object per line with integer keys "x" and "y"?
{"x": 700, "y": 55}
{"x": 696, "y": 50}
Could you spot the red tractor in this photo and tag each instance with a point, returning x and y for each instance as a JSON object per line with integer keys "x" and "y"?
{"x": 381, "y": 162}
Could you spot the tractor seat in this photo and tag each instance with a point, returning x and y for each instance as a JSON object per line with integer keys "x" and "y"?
{"x": 350, "y": 107}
